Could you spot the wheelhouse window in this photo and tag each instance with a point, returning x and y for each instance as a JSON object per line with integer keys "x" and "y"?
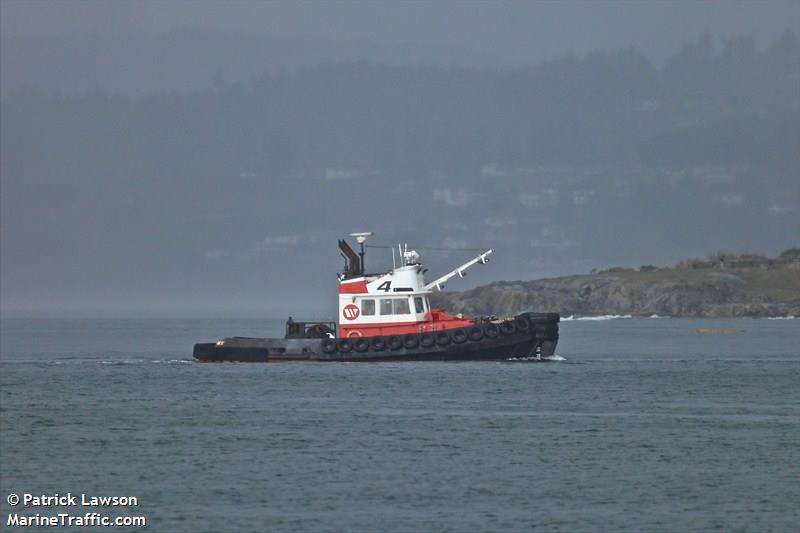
{"x": 394, "y": 306}
{"x": 368, "y": 307}
{"x": 418, "y": 305}
{"x": 401, "y": 306}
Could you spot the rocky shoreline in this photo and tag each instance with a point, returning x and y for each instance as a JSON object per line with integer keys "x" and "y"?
{"x": 708, "y": 288}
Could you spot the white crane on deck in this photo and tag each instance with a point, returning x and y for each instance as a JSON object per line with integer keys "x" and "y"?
{"x": 483, "y": 258}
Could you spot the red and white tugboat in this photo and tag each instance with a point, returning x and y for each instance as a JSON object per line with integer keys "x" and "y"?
{"x": 388, "y": 317}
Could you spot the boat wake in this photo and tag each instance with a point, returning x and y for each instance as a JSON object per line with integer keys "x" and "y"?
{"x": 601, "y": 317}
{"x": 554, "y": 357}
{"x": 93, "y": 361}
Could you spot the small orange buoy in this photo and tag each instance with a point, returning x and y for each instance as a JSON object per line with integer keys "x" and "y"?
{"x": 716, "y": 330}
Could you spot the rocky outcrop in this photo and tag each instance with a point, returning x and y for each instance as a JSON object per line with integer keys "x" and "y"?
{"x": 665, "y": 292}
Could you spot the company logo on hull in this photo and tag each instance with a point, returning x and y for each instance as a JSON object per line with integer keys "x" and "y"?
{"x": 351, "y": 311}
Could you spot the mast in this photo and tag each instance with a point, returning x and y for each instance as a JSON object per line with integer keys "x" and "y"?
{"x": 361, "y": 239}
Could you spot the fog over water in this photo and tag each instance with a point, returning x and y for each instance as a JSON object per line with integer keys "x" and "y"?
{"x": 202, "y": 158}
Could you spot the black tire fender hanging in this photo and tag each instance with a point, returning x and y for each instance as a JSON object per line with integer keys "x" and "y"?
{"x": 459, "y": 336}
{"x": 426, "y": 340}
{"x": 361, "y": 345}
{"x": 508, "y": 328}
{"x": 522, "y": 323}
{"x": 328, "y": 345}
{"x": 475, "y": 333}
{"x": 345, "y": 346}
{"x": 395, "y": 342}
{"x": 379, "y": 343}
{"x": 442, "y": 338}
{"x": 410, "y": 341}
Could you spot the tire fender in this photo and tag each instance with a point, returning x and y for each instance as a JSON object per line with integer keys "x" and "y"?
{"x": 443, "y": 338}
{"x": 345, "y": 346}
{"x": 329, "y": 346}
{"x": 459, "y": 336}
{"x": 475, "y": 333}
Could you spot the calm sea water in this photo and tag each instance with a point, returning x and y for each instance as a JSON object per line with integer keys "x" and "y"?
{"x": 647, "y": 425}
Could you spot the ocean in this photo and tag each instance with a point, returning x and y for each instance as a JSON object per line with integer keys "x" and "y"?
{"x": 658, "y": 424}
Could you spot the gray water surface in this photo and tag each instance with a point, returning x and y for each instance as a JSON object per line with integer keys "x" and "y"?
{"x": 647, "y": 425}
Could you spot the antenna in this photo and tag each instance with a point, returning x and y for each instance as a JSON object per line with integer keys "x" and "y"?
{"x": 361, "y": 238}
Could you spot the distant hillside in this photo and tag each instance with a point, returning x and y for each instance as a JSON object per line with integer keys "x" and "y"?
{"x": 186, "y": 196}
{"x": 724, "y": 285}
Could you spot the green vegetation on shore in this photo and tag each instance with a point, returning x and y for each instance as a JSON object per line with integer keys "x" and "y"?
{"x": 723, "y": 285}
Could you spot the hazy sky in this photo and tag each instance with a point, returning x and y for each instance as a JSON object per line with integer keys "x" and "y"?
{"x": 141, "y": 174}
{"x": 519, "y": 32}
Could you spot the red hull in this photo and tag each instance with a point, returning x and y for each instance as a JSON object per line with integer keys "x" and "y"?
{"x": 436, "y": 320}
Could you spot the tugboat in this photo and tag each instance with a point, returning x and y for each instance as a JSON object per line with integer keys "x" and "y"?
{"x": 388, "y": 317}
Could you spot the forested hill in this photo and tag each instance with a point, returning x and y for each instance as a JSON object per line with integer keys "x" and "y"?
{"x": 725, "y": 285}
{"x": 706, "y": 105}
{"x": 586, "y": 160}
